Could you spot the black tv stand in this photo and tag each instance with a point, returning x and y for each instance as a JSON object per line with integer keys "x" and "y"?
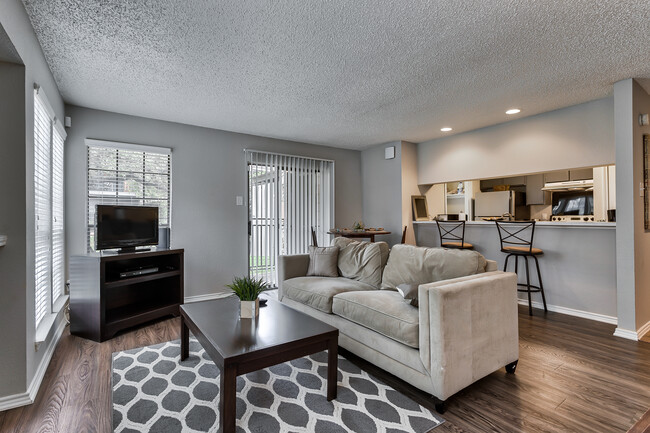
{"x": 109, "y": 293}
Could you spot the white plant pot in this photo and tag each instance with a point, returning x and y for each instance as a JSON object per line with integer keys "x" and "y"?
{"x": 249, "y": 309}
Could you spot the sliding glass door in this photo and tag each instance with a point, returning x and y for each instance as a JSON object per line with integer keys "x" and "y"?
{"x": 287, "y": 197}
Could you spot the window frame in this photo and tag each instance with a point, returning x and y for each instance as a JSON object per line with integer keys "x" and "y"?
{"x": 91, "y": 142}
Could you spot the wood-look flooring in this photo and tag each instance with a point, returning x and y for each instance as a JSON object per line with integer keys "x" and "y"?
{"x": 573, "y": 376}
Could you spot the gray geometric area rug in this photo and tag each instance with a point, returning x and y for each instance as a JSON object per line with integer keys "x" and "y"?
{"x": 153, "y": 392}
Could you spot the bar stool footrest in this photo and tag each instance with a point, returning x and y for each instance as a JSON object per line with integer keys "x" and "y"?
{"x": 533, "y": 289}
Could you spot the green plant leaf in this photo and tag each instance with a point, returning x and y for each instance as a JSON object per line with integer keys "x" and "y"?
{"x": 247, "y": 288}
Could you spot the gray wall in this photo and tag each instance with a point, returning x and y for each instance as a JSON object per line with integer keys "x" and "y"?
{"x": 625, "y": 192}
{"x": 640, "y": 104}
{"x": 632, "y": 241}
{"x": 577, "y": 136}
{"x": 382, "y": 190}
{"x": 12, "y": 223}
{"x": 578, "y": 266}
{"x": 208, "y": 172}
{"x": 16, "y": 25}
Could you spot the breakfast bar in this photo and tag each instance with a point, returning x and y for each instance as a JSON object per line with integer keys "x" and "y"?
{"x": 578, "y": 266}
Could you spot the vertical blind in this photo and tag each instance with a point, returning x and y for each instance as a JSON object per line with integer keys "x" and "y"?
{"x": 127, "y": 174}
{"x": 49, "y": 248}
{"x": 287, "y": 197}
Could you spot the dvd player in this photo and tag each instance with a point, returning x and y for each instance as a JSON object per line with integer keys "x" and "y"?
{"x": 138, "y": 272}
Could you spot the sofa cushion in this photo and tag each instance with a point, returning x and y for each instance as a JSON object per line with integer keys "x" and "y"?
{"x": 408, "y": 264}
{"x": 317, "y": 292}
{"x": 323, "y": 261}
{"x": 361, "y": 261}
{"x": 382, "y": 311}
{"x": 410, "y": 293}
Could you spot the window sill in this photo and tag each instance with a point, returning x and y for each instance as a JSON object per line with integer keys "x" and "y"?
{"x": 44, "y": 328}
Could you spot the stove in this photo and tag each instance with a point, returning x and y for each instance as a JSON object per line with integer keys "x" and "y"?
{"x": 573, "y": 218}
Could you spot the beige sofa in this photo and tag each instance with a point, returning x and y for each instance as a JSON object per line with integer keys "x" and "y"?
{"x": 464, "y": 329}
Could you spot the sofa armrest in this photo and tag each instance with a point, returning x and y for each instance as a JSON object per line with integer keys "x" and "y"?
{"x": 468, "y": 328}
{"x": 291, "y": 267}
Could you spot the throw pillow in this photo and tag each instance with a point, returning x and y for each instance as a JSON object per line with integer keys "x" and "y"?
{"x": 361, "y": 261}
{"x": 420, "y": 265}
{"x": 409, "y": 292}
{"x": 323, "y": 261}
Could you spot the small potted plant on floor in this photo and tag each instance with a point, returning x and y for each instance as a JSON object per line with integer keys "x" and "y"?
{"x": 248, "y": 290}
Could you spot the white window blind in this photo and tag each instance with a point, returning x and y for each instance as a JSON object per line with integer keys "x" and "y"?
{"x": 42, "y": 207}
{"x": 49, "y": 248}
{"x": 287, "y": 196}
{"x": 58, "y": 232}
{"x": 127, "y": 174}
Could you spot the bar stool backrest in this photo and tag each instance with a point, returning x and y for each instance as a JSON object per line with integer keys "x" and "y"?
{"x": 516, "y": 234}
{"x": 314, "y": 239}
{"x": 451, "y": 231}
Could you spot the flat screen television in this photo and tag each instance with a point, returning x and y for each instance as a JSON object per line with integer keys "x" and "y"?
{"x": 125, "y": 227}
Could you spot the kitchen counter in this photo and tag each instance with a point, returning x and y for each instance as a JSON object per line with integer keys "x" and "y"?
{"x": 578, "y": 265}
{"x": 590, "y": 225}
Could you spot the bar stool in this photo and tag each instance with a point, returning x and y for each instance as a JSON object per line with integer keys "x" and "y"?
{"x": 452, "y": 235}
{"x": 517, "y": 240}
{"x": 314, "y": 239}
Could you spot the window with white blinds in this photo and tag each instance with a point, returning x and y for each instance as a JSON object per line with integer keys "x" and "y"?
{"x": 127, "y": 174}
{"x": 49, "y": 248}
{"x": 287, "y": 197}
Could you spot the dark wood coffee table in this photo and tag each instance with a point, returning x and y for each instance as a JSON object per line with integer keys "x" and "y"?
{"x": 239, "y": 346}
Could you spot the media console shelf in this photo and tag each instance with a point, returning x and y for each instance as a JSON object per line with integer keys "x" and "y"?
{"x": 110, "y": 292}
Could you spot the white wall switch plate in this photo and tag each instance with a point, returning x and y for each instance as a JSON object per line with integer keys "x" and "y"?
{"x": 3, "y": 240}
{"x": 240, "y": 200}
{"x": 389, "y": 152}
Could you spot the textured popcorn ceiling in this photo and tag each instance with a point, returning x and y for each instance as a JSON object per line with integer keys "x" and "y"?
{"x": 343, "y": 73}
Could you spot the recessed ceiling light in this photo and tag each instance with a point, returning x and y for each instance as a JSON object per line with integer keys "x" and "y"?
{"x": 513, "y": 111}
{"x": 445, "y": 129}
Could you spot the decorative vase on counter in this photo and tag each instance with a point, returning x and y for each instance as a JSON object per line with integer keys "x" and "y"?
{"x": 249, "y": 309}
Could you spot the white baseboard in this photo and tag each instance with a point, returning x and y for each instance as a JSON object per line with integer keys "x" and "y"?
{"x": 14, "y": 401}
{"x": 626, "y": 333}
{"x": 28, "y": 397}
{"x": 573, "y": 312}
{"x": 642, "y": 331}
{"x": 209, "y": 296}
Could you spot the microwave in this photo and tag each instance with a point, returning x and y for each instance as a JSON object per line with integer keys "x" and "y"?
{"x": 573, "y": 203}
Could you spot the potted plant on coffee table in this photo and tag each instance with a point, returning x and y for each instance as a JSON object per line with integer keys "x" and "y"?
{"x": 248, "y": 290}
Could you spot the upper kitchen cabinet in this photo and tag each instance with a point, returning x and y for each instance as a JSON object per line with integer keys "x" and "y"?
{"x": 489, "y": 184}
{"x": 534, "y": 193}
{"x": 581, "y": 174}
{"x": 567, "y": 175}
{"x": 556, "y": 176}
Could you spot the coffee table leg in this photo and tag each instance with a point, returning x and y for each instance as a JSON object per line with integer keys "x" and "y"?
{"x": 332, "y": 368}
{"x": 185, "y": 340}
{"x": 228, "y": 400}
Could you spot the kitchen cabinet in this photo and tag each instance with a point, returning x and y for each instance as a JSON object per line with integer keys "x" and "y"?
{"x": 534, "y": 193}
{"x": 488, "y": 184}
{"x": 567, "y": 175}
{"x": 556, "y": 176}
{"x": 581, "y": 174}
{"x": 515, "y": 181}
